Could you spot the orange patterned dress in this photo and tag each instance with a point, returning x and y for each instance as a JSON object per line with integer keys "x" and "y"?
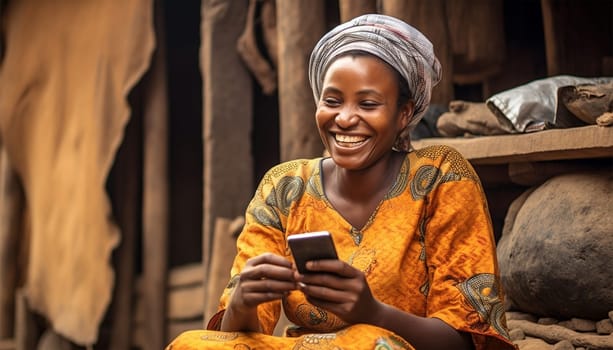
{"x": 428, "y": 249}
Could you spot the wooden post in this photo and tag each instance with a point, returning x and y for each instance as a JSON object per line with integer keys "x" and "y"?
{"x": 227, "y": 123}
{"x": 353, "y": 8}
{"x": 8, "y": 344}
{"x": 125, "y": 183}
{"x": 11, "y": 208}
{"x": 300, "y": 24}
{"x": 26, "y": 328}
{"x": 429, "y": 17}
{"x": 573, "y": 45}
{"x": 477, "y": 41}
{"x": 219, "y": 271}
{"x": 552, "y": 48}
{"x": 155, "y": 194}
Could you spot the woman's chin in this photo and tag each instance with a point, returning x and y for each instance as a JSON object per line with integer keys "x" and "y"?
{"x": 353, "y": 162}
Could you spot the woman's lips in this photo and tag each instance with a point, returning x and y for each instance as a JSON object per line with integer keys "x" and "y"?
{"x": 349, "y": 140}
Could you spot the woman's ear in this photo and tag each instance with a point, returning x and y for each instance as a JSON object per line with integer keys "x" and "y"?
{"x": 406, "y": 113}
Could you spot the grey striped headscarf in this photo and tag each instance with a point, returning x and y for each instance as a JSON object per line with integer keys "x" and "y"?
{"x": 390, "y": 39}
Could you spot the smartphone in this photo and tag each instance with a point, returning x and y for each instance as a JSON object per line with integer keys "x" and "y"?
{"x": 311, "y": 246}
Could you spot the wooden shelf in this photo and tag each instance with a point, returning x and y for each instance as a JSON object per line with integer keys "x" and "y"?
{"x": 574, "y": 143}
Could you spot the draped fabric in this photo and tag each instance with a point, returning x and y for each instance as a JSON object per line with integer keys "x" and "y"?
{"x": 67, "y": 69}
{"x": 427, "y": 249}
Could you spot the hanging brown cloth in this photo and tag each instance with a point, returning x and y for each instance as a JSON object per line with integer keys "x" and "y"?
{"x": 67, "y": 69}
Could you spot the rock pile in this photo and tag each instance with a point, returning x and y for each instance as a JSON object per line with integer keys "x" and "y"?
{"x": 529, "y": 332}
{"x": 555, "y": 258}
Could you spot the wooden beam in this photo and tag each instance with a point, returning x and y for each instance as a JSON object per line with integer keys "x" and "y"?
{"x": 420, "y": 14}
{"x": 581, "y": 142}
{"x": 353, "y": 8}
{"x": 155, "y": 214}
{"x": 535, "y": 173}
{"x": 219, "y": 270}
{"x": 569, "y": 28}
{"x": 125, "y": 182}
{"x": 26, "y": 328}
{"x": 227, "y": 119}
{"x": 184, "y": 305}
{"x": 8, "y": 344}
{"x": 11, "y": 210}
{"x": 185, "y": 275}
{"x": 298, "y": 133}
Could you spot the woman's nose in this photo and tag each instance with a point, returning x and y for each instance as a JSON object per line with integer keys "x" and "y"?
{"x": 346, "y": 118}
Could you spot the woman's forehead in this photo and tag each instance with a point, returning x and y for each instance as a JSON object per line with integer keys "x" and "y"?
{"x": 368, "y": 66}
{"x": 368, "y": 71}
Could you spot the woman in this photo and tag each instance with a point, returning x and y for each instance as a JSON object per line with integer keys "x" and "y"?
{"x": 417, "y": 266}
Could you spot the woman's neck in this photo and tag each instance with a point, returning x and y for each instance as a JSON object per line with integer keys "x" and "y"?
{"x": 364, "y": 185}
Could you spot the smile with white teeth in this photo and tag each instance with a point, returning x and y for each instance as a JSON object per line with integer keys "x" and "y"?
{"x": 349, "y": 140}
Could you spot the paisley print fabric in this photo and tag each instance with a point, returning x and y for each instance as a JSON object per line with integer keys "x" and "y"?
{"x": 427, "y": 249}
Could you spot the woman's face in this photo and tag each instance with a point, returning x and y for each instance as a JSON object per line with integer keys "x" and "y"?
{"x": 357, "y": 115}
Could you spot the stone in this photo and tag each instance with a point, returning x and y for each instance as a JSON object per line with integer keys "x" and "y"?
{"x": 582, "y": 325}
{"x": 533, "y": 344}
{"x": 516, "y": 334}
{"x": 579, "y": 325}
{"x": 556, "y": 333}
{"x": 555, "y": 255}
{"x": 516, "y": 315}
{"x": 604, "y": 326}
{"x": 563, "y": 345}
{"x": 547, "y": 320}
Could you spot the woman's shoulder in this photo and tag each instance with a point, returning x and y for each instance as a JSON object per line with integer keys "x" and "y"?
{"x": 440, "y": 152}
{"x": 445, "y": 158}
{"x": 293, "y": 168}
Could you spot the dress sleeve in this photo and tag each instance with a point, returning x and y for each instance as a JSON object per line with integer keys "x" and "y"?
{"x": 464, "y": 287}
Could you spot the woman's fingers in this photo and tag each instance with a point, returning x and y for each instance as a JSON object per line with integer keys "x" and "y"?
{"x": 326, "y": 293}
{"x": 268, "y": 266}
{"x": 333, "y": 274}
{"x": 267, "y": 272}
{"x": 334, "y": 266}
{"x": 252, "y": 299}
{"x": 339, "y": 288}
{"x": 269, "y": 258}
{"x": 266, "y": 285}
{"x": 265, "y": 278}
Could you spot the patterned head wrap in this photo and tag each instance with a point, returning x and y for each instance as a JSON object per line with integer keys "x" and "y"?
{"x": 392, "y": 40}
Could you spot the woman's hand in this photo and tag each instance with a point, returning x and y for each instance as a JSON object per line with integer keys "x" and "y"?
{"x": 340, "y": 288}
{"x": 266, "y": 277}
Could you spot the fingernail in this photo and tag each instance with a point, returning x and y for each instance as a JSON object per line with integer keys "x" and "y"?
{"x": 301, "y": 285}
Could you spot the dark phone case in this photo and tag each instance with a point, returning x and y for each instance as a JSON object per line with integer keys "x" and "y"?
{"x": 311, "y": 246}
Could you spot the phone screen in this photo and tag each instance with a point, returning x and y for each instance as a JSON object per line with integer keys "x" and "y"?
{"x": 311, "y": 246}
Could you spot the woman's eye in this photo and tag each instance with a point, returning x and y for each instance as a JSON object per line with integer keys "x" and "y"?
{"x": 369, "y": 104}
{"x": 331, "y": 102}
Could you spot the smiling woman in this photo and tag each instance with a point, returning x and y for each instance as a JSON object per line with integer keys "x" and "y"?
{"x": 416, "y": 265}
{"x": 357, "y": 116}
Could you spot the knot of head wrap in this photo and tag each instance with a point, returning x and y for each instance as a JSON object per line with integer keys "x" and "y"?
{"x": 397, "y": 43}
